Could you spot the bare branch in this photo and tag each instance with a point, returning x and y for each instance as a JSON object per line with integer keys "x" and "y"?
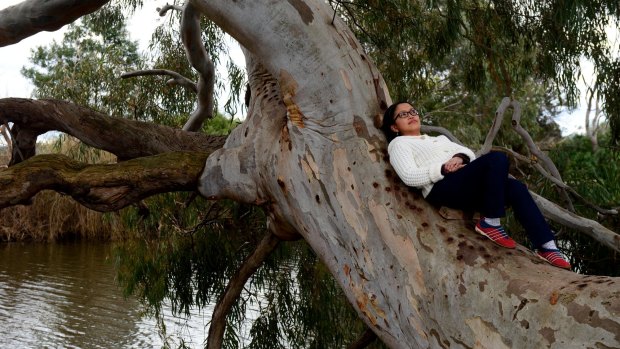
{"x": 557, "y": 182}
{"x": 125, "y": 138}
{"x": 546, "y": 161}
{"x": 497, "y": 123}
{"x": 33, "y": 16}
{"x": 162, "y": 11}
{"x": 4, "y": 129}
{"x": 177, "y": 78}
{"x": 105, "y": 188}
{"x": 592, "y": 228}
{"x": 200, "y": 60}
{"x": 235, "y": 286}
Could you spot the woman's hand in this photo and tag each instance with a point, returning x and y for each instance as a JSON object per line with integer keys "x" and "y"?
{"x": 453, "y": 165}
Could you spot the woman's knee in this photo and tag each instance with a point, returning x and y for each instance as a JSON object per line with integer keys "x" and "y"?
{"x": 496, "y": 159}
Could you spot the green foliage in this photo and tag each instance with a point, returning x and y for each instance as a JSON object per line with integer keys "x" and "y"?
{"x": 184, "y": 256}
{"x": 595, "y": 177}
{"x": 469, "y": 54}
{"x": 85, "y": 67}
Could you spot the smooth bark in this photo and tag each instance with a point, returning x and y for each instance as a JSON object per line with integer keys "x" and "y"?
{"x": 33, "y": 16}
{"x": 320, "y": 168}
{"x": 308, "y": 152}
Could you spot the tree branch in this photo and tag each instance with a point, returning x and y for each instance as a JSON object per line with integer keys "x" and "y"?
{"x": 33, "y": 16}
{"x": 569, "y": 219}
{"x": 516, "y": 118}
{"x": 162, "y": 11}
{"x": 125, "y": 138}
{"x": 497, "y": 123}
{"x": 546, "y": 161}
{"x": 200, "y": 60}
{"x": 176, "y": 77}
{"x": 102, "y": 188}
{"x": 234, "y": 288}
{"x": 556, "y": 181}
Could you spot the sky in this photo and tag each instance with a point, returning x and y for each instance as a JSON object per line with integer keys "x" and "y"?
{"x": 140, "y": 27}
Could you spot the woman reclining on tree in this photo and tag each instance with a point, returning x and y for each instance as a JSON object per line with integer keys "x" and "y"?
{"x": 449, "y": 175}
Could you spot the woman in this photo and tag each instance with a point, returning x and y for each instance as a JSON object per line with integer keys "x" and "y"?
{"x": 450, "y": 175}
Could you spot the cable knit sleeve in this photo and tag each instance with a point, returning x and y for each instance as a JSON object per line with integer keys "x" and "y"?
{"x": 403, "y": 161}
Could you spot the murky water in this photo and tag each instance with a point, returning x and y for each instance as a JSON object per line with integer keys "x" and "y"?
{"x": 65, "y": 296}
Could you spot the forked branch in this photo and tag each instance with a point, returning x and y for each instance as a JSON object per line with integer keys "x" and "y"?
{"x": 534, "y": 150}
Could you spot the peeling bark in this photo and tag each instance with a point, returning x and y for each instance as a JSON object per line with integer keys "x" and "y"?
{"x": 308, "y": 152}
{"x": 318, "y": 163}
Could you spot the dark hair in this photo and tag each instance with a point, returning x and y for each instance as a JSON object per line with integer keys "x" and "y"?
{"x": 388, "y": 121}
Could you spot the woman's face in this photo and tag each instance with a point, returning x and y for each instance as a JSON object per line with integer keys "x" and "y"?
{"x": 406, "y": 120}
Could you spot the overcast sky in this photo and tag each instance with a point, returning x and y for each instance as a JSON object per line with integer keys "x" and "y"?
{"x": 14, "y": 57}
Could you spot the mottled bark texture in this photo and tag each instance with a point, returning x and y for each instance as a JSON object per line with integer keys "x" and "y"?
{"x": 102, "y": 188}
{"x": 309, "y": 153}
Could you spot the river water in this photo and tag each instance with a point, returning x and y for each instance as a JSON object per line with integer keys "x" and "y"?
{"x": 65, "y": 296}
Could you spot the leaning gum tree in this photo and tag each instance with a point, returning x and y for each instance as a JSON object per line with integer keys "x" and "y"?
{"x": 310, "y": 155}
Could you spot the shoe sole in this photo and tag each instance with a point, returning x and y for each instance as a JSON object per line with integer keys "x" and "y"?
{"x": 495, "y": 242}
{"x": 553, "y": 265}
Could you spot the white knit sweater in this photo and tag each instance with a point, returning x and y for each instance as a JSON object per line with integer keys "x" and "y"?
{"x": 418, "y": 159}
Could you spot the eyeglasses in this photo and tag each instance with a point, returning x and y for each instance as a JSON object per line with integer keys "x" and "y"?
{"x": 404, "y": 114}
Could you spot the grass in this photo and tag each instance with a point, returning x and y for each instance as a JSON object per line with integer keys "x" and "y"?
{"x": 56, "y": 217}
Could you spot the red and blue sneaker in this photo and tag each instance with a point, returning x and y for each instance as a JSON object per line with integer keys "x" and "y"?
{"x": 497, "y": 234}
{"x": 553, "y": 257}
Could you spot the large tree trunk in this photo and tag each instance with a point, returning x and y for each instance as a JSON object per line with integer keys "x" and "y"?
{"x": 309, "y": 153}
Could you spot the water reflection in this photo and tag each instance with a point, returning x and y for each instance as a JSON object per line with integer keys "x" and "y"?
{"x": 64, "y": 295}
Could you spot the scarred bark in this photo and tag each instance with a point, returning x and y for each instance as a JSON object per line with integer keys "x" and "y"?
{"x": 415, "y": 279}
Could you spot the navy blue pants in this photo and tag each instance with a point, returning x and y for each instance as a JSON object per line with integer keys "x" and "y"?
{"x": 484, "y": 186}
